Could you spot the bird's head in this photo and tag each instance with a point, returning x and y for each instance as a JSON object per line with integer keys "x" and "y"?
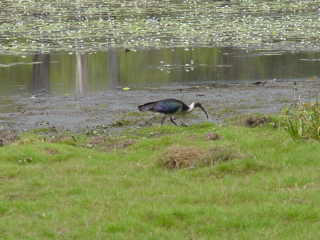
{"x": 198, "y": 105}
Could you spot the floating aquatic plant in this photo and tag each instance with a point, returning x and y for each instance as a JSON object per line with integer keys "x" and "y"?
{"x": 43, "y": 26}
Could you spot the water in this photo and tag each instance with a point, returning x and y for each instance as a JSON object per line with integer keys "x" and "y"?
{"x": 80, "y": 91}
{"x": 61, "y": 74}
{"x": 92, "y": 25}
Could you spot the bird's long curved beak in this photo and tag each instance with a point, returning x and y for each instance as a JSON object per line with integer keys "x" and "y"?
{"x": 202, "y": 108}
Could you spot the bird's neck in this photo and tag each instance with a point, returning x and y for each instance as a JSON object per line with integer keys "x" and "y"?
{"x": 191, "y": 107}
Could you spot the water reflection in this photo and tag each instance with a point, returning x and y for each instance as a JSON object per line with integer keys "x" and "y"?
{"x": 40, "y": 73}
{"x": 113, "y": 68}
{"x": 78, "y": 74}
{"x": 81, "y": 73}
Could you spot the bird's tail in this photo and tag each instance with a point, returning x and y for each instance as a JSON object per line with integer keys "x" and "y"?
{"x": 146, "y": 107}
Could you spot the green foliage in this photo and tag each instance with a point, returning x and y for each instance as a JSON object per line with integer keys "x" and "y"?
{"x": 303, "y": 120}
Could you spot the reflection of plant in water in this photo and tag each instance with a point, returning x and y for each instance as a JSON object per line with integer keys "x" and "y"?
{"x": 175, "y": 67}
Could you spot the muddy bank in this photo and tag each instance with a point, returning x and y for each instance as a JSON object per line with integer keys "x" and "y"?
{"x": 116, "y": 110}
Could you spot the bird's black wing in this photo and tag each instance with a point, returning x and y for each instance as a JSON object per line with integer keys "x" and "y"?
{"x": 166, "y": 106}
{"x": 147, "y": 106}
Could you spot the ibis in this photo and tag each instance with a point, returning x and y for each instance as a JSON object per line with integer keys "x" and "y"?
{"x": 170, "y": 107}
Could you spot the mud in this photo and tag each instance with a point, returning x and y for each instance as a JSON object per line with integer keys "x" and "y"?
{"x": 103, "y": 110}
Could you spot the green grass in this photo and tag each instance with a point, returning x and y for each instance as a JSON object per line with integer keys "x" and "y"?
{"x": 302, "y": 120}
{"x": 65, "y": 190}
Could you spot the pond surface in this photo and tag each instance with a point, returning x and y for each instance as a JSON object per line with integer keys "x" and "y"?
{"x": 91, "y": 25}
{"x": 63, "y": 74}
{"x": 86, "y": 91}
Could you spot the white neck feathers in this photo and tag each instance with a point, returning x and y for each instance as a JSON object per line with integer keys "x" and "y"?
{"x": 191, "y": 107}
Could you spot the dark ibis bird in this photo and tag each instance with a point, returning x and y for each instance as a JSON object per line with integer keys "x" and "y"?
{"x": 170, "y": 107}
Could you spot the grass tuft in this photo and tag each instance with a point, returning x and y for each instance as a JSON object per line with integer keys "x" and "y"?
{"x": 191, "y": 157}
{"x": 256, "y": 121}
{"x": 303, "y": 120}
{"x": 252, "y": 120}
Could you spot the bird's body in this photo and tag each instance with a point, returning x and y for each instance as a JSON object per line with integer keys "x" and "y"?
{"x": 166, "y": 106}
{"x": 170, "y": 107}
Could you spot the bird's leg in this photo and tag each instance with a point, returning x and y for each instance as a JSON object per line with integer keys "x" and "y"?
{"x": 163, "y": 119}
{"x": 172, "y": 120}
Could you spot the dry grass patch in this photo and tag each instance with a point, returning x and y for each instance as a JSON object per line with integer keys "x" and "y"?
{"x": 191, "y": 157}
{"x": 70, "y": 140}
{"x": 51, "y": 151}
{"x": 256, "y": 121}
{"x": 97, "y": 140}
{"x": 250, "y": 120}
{"x": 7, "y": 137}
{"x": 213, "y": 136}
{"x": 109, "y": 144}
